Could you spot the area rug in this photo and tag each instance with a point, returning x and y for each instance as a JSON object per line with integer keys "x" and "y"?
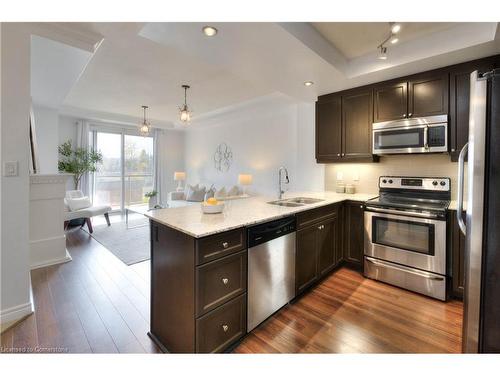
{"x": 129, "y": 245}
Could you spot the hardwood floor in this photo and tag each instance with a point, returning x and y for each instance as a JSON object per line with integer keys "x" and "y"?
{"x": 96, "y": 303}
{"x": 347, "y": 313}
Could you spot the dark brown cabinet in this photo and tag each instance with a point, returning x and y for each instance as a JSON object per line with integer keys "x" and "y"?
{"x": 390, "y": 102}
{"x": 428, "y": 94}
{"x": 317, "y": 246}
{"x": 329, "y": 129}
{"x": 457, "y": 249}
{"x": 354, "y": 233}
{"x": 357, "y": 119}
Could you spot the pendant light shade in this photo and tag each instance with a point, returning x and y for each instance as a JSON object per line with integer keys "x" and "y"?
{"x": 144, "y": 126}
{"x": 184, "y": 112}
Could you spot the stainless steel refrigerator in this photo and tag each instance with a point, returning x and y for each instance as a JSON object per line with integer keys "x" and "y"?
{"x": 481, "y": 328}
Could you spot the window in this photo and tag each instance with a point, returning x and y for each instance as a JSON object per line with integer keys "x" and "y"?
{"x": 127, "y": 170}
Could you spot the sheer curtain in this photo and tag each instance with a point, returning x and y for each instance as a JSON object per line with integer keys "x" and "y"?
{"x": 82, "y": 140}
{"x": 160, "y": 180}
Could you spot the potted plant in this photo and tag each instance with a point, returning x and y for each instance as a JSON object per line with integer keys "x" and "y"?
{"x": 152, "y": 198}
{"x": 77, "y": 161}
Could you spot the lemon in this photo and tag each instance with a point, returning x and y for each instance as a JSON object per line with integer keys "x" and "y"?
{"x": 212, "y": 201}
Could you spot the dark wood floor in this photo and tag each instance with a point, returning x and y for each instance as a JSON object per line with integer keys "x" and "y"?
{"x": 96, "y": 303}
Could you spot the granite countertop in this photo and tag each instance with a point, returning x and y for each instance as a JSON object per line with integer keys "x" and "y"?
{"x": 241, "y": 212}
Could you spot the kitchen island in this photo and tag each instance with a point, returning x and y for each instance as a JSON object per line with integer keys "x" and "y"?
{"x": 199, "y": 263}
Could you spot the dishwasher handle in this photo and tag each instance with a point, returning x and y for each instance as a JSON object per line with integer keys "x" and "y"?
{"x": 269, "y": 231}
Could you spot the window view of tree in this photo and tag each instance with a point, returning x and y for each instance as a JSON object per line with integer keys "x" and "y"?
{"x": 139, "y": 167}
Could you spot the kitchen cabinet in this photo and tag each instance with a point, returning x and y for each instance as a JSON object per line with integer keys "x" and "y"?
{"x": 354, "y": 233}
{"x": 317, "y": 245}
{"x": 459, "y": 101}
{"x": 428, "y": 94}
{"x": 390, "y": 101}
{"x": 328, "y": 129}
{"x": 457, "y": 249}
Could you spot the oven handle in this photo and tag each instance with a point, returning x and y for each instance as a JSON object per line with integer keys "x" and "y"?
{"x": 405, "y": 213}
{"x": 460, "y": 198}
{"x": 438, "y": 278}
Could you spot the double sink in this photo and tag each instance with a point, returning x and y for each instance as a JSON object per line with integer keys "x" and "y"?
{"x": 295, "y": 202}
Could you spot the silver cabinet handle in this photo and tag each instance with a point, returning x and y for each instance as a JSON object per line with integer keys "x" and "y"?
{"x": 225, "y": 327}
{"x": 452, "y": 150}
{"x": 404, "y": 115}
{"x": 225, "y": 281}
{"x": 225, "y": 245}
{"x": 460, "y": 198}
{"x": 361, "y": 206}
{"x": 409, "y": 114}
{"x": 338, "y": 154}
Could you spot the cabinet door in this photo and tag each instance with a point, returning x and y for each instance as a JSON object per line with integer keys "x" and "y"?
{"x": 339, "y": 256}
{"x": 390, "y": 102}
{"x": 354, "y": 232}
{"x": 327, "y": 245}
{"x": 357, "y": 118}
{"x": 328, "y": 130}
{"x": 428, "y": 95}
{"x": 459, "y": 103}
{"x": 306, "y": 264}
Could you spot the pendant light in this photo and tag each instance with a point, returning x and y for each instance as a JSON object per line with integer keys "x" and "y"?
{"x": 185, "y": 113}
{"x": 144, "y": 126}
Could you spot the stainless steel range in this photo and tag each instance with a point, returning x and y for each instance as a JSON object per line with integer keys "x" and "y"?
{"x": 405, "y": 234}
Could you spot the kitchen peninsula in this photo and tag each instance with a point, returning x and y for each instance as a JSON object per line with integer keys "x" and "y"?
{"x": 199, "y": 263}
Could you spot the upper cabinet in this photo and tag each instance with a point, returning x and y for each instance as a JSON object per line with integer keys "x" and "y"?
{"x": 428, "y": 95}
{"x": 422, "y": 95}
{"x": 343, "y": 126}
{"x": 390, "y": 102}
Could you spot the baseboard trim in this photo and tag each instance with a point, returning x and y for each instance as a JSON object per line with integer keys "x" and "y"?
{"x": 51, "y": 262}
{"x": 12, "y": 315}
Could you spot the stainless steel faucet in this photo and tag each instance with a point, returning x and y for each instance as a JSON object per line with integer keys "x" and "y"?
{"x": 280, "y": 181}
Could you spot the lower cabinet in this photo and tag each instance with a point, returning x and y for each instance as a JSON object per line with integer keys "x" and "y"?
{"x": 456, "y": 240}
{"x": 354, "y": 233}
{"x": 317, "y": 250}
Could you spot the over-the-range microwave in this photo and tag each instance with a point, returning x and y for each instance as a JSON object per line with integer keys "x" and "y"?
{"x": 413, "y": 135}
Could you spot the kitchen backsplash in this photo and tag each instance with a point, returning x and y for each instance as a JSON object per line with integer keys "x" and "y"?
{"x": 367, "y": 174}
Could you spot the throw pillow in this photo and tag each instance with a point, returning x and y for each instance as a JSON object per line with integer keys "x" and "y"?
{"x": 76, "y": 204}
{"x": 210, "y": 192}
{"x": 234, "y": 191}
{"x": 195, "y": 195}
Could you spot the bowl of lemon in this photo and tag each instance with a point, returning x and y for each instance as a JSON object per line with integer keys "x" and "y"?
{"x": 212, "y": 206}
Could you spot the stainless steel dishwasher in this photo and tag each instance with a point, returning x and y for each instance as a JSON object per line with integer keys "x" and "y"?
{"x": 271, "y": 268}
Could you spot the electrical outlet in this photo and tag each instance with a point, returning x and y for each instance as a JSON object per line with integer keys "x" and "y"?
{"x": 10, "y": 169}
{"x": 340, "y": 176}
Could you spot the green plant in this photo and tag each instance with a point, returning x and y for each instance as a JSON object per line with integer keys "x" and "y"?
{"x": 77, "y": 161}
{"x": 151, "y": 194}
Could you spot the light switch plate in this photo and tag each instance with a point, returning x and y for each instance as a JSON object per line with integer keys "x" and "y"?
{"x": 10, "y": 169}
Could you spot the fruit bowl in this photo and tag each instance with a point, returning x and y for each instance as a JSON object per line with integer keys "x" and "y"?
{"x": 212, "y": 208}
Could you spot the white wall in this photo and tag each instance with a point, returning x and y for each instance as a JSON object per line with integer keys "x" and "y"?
{"x": 15, "y": 106}
{"x": 172, "y": 160}
{"x": 67, "y": 129}
{"x": 47, "y": 136}
{"x": 263, "y": 135}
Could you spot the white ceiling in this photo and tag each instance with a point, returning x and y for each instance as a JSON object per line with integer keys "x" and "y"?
{"x": 146, "y": 63}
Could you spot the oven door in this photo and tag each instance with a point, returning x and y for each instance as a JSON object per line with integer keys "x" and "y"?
{"x": 406, "y": 240}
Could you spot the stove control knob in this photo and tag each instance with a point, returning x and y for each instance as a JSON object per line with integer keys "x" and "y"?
{"x": 442, "y": 183}
{"x": 390, "y": 181}
{"x": 434, "y": 183}
{"x": 384, "y": 181}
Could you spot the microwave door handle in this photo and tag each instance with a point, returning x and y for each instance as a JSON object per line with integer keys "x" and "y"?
{"x": 426, "y": 137}
{"x": 460, "y": 198}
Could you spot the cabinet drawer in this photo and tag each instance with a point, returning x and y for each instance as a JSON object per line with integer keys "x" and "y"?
{"x": 219, "y": 281}
{"x": 222, "y": 326}
{"x": 220, "y": 245}
{"x": 316, "y": 215}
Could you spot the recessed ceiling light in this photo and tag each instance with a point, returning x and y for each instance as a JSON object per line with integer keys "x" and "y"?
{"x": 308, "y": 83}
{"x": 209, "y": 31}
{"x": 395, "y": 28}
{"x": 394, "y": 40}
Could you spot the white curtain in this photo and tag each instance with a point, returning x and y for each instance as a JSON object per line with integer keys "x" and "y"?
{"x": 82, "y": 140}
{"x": 160, "y": 178}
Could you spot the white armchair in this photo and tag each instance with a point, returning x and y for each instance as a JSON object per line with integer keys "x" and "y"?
{"x": 83, "y": 213}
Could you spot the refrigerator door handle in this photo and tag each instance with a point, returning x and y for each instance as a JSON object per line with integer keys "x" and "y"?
{"x": 460, "y": 198}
